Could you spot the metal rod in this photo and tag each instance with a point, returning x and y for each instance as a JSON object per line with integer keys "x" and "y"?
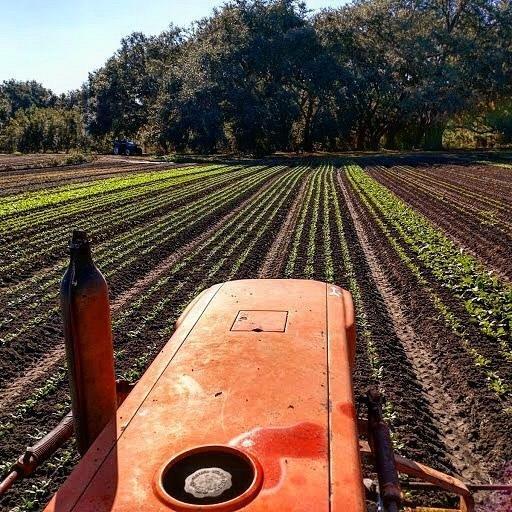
{"x": 8, "y": 482}
{"x": 50, "y": 443}
{"x": 473, "y": 487}
{"x": 38, "y": 453}
{"x": 382, "y": 448}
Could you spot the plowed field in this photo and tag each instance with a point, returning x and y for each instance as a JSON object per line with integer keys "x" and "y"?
{"x": 423, "y": 249}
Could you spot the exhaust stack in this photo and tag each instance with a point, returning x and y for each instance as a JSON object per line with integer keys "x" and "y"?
{"x": 88, "y": 338}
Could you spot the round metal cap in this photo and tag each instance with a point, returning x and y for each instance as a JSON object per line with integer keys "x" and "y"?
{"x": 216, "y": 478}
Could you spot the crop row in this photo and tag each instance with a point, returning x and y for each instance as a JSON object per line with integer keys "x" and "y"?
{"x": 458, "y": 193}
{"x": 472, "y": 204}
{"x": 15, "y": 182}
{"x": 43, "y": 216}
{"x": 115, "y": 215}
{"x": 503, "y": 165}
{"x": 319, "y": 229}
{"x": 484, "y": 214}
{"x": 460, "y": 182}
{"x": 140, "y": 235}
{"x": 162, "y": 227}
{"x": 305, "y": 228}
{"x": 299, "y": 227}
{"x": 314, "y": 233}
{"x": 486, "y": 299}
{"x": 123, "y": 251}
{"x": 328, "y": 196}
{"x": 477, "y": 228}
{"x": 18, "y": 203}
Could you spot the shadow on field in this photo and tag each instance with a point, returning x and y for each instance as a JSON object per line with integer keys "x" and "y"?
{"x": 387, "y": 158}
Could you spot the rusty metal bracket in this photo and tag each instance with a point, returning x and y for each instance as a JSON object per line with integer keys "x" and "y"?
{"x": 428, "y": 474}
{"x": 379, "y": 449}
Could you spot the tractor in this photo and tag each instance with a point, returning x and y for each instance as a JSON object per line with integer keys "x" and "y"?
{"x": 249, "y": 406}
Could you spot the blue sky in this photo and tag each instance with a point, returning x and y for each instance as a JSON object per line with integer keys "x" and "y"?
{"x": 57, "y": 42}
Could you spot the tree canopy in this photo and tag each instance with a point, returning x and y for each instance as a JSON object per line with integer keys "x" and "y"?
{"x": 264, "y": 75}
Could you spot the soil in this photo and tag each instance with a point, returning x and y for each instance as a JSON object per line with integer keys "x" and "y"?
{"x": 276, "y": 256}
{"x": 470, "y": 420}
{"x": 443, "y": 412}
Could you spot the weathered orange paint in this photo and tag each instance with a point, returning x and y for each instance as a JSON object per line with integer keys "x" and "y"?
{"x": 283, "y": 398}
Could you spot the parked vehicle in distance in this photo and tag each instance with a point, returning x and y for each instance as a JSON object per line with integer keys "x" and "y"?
{"x": 126, "y": 147}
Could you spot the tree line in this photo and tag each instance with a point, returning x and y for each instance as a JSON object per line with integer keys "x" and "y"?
{"x": 259, "y": 76}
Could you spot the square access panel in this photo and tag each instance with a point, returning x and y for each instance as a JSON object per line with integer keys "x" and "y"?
{"x": 260, "y": 321}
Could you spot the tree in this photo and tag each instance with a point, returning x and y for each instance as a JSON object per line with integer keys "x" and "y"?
{"x": 17, "y": 95}
{"x": 43, "y": 129}
{"x": 264, "y": 75}
{"x": 118, "y": 97}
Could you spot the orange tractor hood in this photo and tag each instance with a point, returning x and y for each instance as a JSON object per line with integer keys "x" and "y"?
{"x": 248, "y": 406}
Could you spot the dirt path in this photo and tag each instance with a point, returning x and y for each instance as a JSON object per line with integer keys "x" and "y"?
{"x": 446, "y": 413}
{"x": 276, "y": 256}
{"x": 141, "y": 161}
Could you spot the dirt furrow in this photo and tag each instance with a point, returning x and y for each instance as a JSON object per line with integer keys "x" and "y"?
{"x": 274, "y": 261}
{"x": 445, "y": 411}
{"x": 468, "y": 177}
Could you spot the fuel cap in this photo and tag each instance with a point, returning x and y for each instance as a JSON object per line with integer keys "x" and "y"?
{"x": 222, "y": 477}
